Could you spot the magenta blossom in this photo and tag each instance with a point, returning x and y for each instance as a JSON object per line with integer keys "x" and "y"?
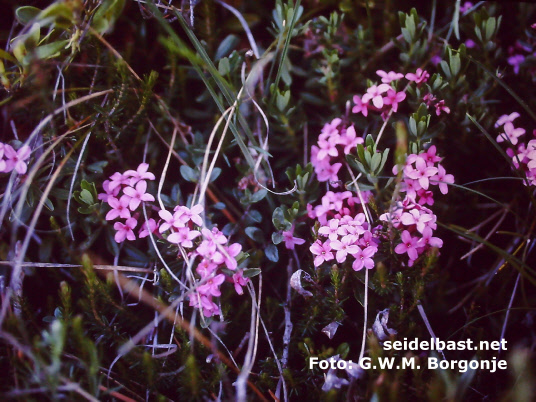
{"x": 363, "y": 258}
{"x": 183, "y": 236}
{"x": 387, "y": 78}
{"x": 119, "y": 208}
{"x": 408, "y": 245}
{"x": 139, "y": 174}
{"x": 125, "y": 230}
{"x": 212, "y": 286}
{"x": 149, "y": 226}
{"x": 138, "y": 194}
{"x": 511, "y": 133}
{"x": 15, "y": 160}
{"x": 375, "y": 93}
{"x": 361, "y": 106}
{"x": 393, "y": 98}
{"x": 290, "y": 240}
{"x": 442, "y": 179}
{"x": 419, "y": 77}
{"x": 322, "y": 251}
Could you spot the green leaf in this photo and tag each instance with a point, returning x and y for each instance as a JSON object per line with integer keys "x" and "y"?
{"x": 259, "y": 195}
{"x": 97, "y": 167}
{"x": 189, "y": 174}
{"x": 107, "y": 14}
{"x": 224, "y": 67}
{"x": 277, "y": 237}
{"x": 255, "y": 234}
{"x": 272, "y": 253}
{"x": 226, "y": 47}
{"x": 251, "y": 272}
{"x": 50, "y": 50}
{"x": 86, "y": 197}
{"x": 25, "y": 14}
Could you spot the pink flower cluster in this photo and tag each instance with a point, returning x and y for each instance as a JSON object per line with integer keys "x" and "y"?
{"x": 216, "y": 255}
{"x": 14, "y": 160}
{"x": 124, "y": 193}
{"x": 334, "y": 142}
{"x": 523, "y": 156}
{"x": 345, "y": 230}
{"x": 335, "y": 205}
{"x": 385, "y": 98}
{"x": 411, "y": 217}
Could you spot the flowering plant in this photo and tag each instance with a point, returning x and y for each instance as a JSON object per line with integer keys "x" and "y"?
{"x": 206, "y": 206}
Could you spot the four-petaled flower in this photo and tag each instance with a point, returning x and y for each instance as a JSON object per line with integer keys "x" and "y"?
{"x": 138, "y": 194}
{"x": 125, "y": 230}
{"x": 375, "y": 93}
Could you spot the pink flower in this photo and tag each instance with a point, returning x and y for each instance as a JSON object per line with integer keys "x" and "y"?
{"x": 466, "y": 6}
{"x": 393, "y": 98}
{"x": 329, "y": 173}
{"x": 322, "y": 251}
{"x": 138, "y": 195}
{"x": 375, "y": 93}
{"x": 443, "y": 179}
{"x": 208, "y": 307}
{"x": 139, "y": 174}
{"x": 107, "y": 192}
{"x": 440, "y": 107}
{"x": 426, "y": 197}
{"x": 515, "y": 61}
{"x": 430, "y": 156}
{"x": 239, "y": 281}
{"x": 186, "y": 214}
{"x": 206, "y": 267}
{"x": 427, "y": 239}
{"x": 422, "y": 172}
{"x": 229, "y": 256}
{"x": 511, "y": 133}
{"x": 361, "y": 106}
{"x": 214, "y": 235}
{"x": 184, "y": 237}
{"x": 331, "y": 230}
{"x": 390, "y": 76}
{"x": 15, "y": 159}
{"x": 291, "y": 241}
{"x": 119, "y": 208}
{"x": 212, "y": 286}
{"x": 416, "y": 217}
{"x": 170, "y": 220}
{"x": 363, "y": 258}
{"x": 419, "y": 77}
{"x": 118, "y": 179}
{"x": 207, "y": 249}
{"x": 408, "y": 245}
{"x": 125, "y": 230}
{"x": 327, "y": 149}
{"x": 149, "y": 226}
{"x": 344, "y": 247}
{"x": 506, "y": 118}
